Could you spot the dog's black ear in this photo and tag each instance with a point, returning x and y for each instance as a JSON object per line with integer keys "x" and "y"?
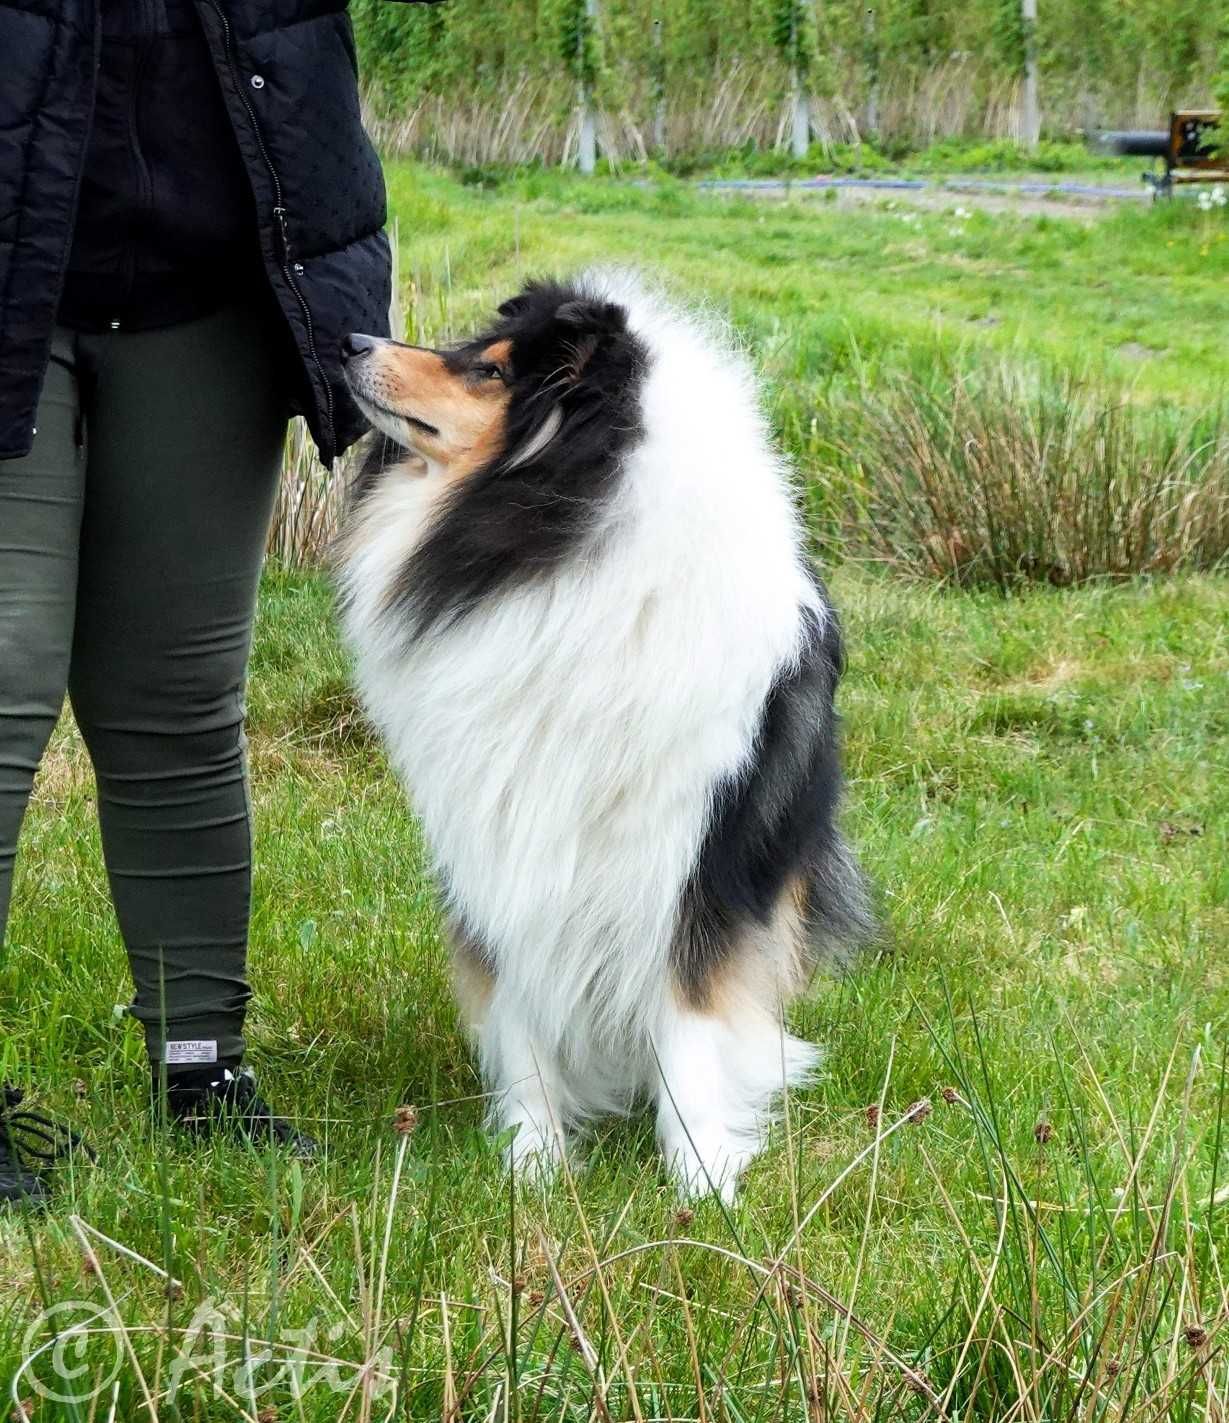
{"x": 514, "y": 305}
{"x": 598, "y": 317}
{"x": 589, "y": 326}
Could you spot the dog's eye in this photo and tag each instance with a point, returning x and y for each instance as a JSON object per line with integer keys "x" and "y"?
{"x": 488, "y": 372}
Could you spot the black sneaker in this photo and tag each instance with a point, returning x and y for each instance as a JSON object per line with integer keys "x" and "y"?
{"x": 224, "y": 1098}
{"x": 30, "y": 1142}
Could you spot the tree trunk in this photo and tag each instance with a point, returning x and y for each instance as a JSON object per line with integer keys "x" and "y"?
{"x": 587, "y": 143}
{"x": 659, "y": 97}
{"x": 872, "y": 75}
{"x": 800, "y": 132}
{"x": 1032, "y": 110}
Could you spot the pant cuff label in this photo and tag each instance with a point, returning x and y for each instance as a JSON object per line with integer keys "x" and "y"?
{"x": 191, "y": 1050}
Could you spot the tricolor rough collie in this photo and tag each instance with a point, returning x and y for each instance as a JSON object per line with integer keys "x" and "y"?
{"x": 574, "y": 579}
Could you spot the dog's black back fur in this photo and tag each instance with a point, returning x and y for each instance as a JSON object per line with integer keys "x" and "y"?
{"x": 776, "y": 822}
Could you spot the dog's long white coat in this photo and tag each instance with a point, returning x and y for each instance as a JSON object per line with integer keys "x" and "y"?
{"x": 562, "y": 743}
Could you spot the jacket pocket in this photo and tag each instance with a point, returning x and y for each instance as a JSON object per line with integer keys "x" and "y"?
{"x": 307, "y": 107}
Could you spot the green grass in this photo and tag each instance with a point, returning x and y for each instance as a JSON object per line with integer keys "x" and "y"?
{"x": 827, "y": 293}
{"x": 1039, "y": 789}
{"x": 954, "y": 156}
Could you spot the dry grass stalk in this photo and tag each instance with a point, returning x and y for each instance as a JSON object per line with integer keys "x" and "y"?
{"x": 744, "y": 103}
{"x": 1008, "y": 477}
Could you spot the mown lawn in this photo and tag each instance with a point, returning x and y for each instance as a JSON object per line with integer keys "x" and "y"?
{"x": 1039, "y": 788}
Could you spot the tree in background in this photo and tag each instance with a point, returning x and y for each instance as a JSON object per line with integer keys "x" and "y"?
{"x": 576, "y": 24}
{"x": 500, "y": 81}
{"x": 794, "y": 35}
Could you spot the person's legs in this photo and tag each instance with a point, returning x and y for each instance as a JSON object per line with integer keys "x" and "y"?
{"x": 186, "y": 427}
{"x": 40, "y": 518}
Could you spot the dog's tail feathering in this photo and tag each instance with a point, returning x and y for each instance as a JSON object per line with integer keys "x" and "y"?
{"x": 838, "y": 914}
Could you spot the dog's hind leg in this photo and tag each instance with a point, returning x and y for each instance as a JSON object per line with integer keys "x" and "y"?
{"x": 723, "y": 1056}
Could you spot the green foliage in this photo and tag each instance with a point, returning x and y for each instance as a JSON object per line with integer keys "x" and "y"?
{"x": 748, "y": 161}
{"x": 1003, "y": 155}
{"x": 1107, "y": 47}
{"x": 793, "y": 34}
{"x": 577, "y": 36}
{"x": 1008, "y": 37}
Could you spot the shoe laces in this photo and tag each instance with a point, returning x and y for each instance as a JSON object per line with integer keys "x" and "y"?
{"x": 33, "y": 1136}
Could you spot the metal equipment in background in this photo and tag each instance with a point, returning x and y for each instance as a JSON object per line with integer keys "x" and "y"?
{"x": 1188, "y": 150}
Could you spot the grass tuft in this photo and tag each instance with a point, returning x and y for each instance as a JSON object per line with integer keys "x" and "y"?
{"x": 1003, "y": 476}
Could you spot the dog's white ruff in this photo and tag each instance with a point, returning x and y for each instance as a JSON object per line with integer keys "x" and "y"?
{"x": 562, "y": 743}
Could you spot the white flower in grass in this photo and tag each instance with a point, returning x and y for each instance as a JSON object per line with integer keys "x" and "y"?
{"x": 1219, "y": 197}
{"x": 1205, "y": 200}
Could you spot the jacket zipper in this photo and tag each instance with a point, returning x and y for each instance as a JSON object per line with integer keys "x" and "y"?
{"x": 279, "y": 216}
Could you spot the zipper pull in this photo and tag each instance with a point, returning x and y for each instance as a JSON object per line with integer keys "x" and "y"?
{"x": 282, "y": 234}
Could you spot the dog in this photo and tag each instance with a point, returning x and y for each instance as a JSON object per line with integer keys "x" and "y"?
{"x": 574, "y": 580}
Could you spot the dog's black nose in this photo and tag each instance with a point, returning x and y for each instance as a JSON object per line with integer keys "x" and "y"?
{"x": 355, "y": 345}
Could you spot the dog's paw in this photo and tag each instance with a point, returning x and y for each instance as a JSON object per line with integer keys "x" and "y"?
{"x": 534, "y": 1151}
{"x": 708, "y": 1163}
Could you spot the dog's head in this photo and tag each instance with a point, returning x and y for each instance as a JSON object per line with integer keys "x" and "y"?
{"x": 555, "y": 360}
{"x": 499, "y": 455}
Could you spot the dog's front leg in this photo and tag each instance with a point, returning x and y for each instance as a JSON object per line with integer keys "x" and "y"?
{"x": 528, "y": 1090}
{"x": 698, "y": 1113}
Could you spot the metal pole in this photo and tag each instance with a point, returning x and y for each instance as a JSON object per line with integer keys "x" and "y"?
{"x": 588, "y": 118}
{"x": 1032, "y": 111}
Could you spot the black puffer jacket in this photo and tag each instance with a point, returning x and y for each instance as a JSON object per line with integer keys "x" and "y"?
{"x": 287, "y": 71}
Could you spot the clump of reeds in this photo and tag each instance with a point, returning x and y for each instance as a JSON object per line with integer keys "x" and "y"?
{"x": 1006, "y": 475}
{"x": 309, "y": 503}
{"x": 522, "y": 114}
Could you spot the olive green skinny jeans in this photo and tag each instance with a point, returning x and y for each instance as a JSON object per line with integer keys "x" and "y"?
{"x": 131, "y": 540}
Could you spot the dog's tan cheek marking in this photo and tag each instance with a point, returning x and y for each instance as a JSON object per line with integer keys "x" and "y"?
{"x": 470, "y": 419}
{"x": 488, "y": 439}
{"x": 474, "y": 429}
{"x": 412, "y": 382}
